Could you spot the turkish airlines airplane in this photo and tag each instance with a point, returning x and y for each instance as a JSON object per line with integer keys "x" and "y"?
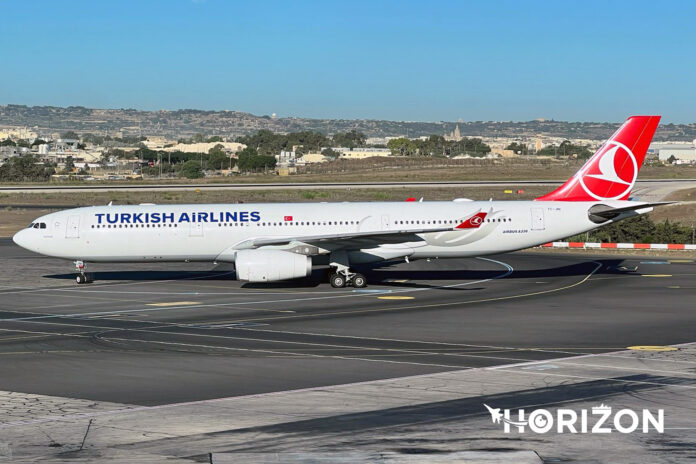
{"x": 272, "y": 242}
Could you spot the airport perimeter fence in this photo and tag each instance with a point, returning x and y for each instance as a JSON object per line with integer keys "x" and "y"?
{"x": 622, "y": 246}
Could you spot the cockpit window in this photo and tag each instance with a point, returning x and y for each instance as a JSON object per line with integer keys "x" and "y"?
{"x": 42, "y": 225}
{"x": 30, "y": 225}
{"x": 37, "y": 225}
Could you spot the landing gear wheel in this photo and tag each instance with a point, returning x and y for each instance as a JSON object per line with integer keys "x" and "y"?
{"x": 337, "y": 280}
{"x": 359, "y": 281}
{"x": 81, "y": 279}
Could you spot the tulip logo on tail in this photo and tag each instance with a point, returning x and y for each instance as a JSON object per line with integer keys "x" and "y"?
{"x": 613, "y": 173}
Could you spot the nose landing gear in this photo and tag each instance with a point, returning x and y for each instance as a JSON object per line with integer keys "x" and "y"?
{"x": 82, "y": 277}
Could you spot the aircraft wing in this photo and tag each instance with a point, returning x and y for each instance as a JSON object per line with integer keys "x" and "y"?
{"x": 361, "y": 239}
{"x": 344, "y": 239}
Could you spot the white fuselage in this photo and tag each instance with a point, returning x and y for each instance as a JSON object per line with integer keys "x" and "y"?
{"x": 213, "y": 232}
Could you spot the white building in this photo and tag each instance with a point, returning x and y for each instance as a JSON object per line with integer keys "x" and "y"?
{"x": 205, "y": 147}
{"x": 286, "y": 157}
{"x": 360, "y": 153}
{"x": 683, "y": 151}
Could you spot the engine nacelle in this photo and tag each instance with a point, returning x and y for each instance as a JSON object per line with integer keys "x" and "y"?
{"x": 271, "y": 265}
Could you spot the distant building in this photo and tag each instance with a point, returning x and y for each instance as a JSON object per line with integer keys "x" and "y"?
{"x": 683, "y": 151}
{"x": 455, "y": 135}
{"x": 311, "y": 158}
{"x": 362, "y": 153}
{"x": 286, "y": 157}
{"x": 504, "y": 153}
{"x": 157, "y": 142}
{"x": 233, "y": 147}
{"x": 66, "y": 145}
{"x": 379, "y": 140}
{"x": 17, "y": 133}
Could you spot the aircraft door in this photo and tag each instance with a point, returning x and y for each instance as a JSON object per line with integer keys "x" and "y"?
{"x": 196, "y": 229}
{"x": 73, "y": 227}
{"x": 385, "y": 222}
{"x": 538, "y": 219}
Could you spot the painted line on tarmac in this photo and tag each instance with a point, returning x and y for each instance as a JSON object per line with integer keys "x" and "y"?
{"x": 440, "y": 305}
{"x": 128, "y": 409}
{"x": 651, "y": 348}
{"x": 324, "y": 346}
{"x": 174, "y": 303}
{"x": 349, "y": 294}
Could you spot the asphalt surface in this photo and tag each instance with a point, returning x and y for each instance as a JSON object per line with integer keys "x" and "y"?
{"x": 153, "y": 334}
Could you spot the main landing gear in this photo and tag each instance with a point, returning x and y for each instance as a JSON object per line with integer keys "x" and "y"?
{"x": 82, "y": 277}
{"x": 341, "y": 274}
{"x": 340, "y": 280}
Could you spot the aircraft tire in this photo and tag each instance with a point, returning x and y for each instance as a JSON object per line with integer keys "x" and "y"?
{"x": 337, "y": 280}
{"x": 359, "y": 281}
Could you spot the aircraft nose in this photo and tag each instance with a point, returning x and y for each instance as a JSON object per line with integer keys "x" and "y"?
{"x": 21, "y": 238}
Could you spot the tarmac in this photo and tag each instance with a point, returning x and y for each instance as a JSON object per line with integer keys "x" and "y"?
{"x": 174, "y": 362}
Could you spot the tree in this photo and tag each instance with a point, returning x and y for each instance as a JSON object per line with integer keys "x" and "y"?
{"x": 402, "y": 146}
{"x": 350, "y": 139}
{"x": 566, "y": 148}
{"x": 330, "y": 153}
{"x": 671, "y": 159}
{"x": 214, "y": 138}
{"x": 217, "y": 158}
{"x": 69, "y": 164}
{"x": 191, "y": 170}
{"x": 70, "y": 135}
{"x": 246, "y": 159}
{"x": 250, "y": 160}
{"x": 197, "y": 138}
{"x": 25, "y": 168}
{"x": 7, "y": 143}
{"x": 518, "y": 148}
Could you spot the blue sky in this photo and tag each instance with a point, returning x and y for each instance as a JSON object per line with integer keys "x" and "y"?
{"x": 431, "y": 60}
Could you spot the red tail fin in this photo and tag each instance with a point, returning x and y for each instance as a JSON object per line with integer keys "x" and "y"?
{"x": 611, "y": 172}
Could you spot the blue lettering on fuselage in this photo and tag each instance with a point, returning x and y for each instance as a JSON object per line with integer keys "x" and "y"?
{"x": 162, "y": 217}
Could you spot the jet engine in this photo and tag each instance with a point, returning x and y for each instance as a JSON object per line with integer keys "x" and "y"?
{"x": 271, "y": 265}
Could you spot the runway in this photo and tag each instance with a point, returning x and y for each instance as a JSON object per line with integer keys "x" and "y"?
{"x": 154, "y": 334}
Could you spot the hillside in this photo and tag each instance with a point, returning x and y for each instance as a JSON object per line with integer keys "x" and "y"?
{"x": 186, "y": 122}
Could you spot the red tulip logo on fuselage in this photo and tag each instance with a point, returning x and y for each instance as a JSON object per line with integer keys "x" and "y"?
{"x": 612, "y": 174}
{"x": 476, "y": 220}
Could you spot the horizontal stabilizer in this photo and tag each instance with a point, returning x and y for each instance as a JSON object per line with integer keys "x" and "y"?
{"x": 603, "y": 213}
